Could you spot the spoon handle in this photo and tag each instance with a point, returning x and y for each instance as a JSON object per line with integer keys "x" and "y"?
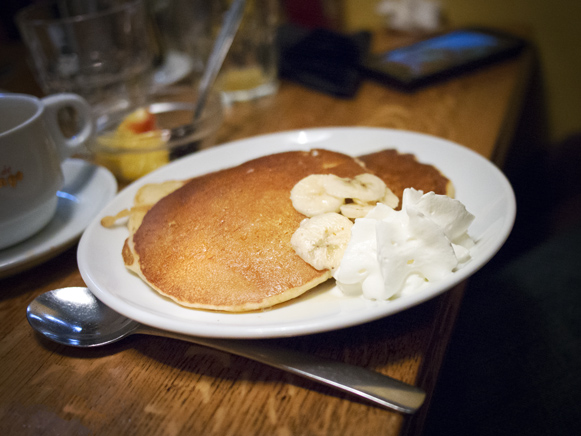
{"x": 373, "y": 386}
{"x": 223, "y": 42}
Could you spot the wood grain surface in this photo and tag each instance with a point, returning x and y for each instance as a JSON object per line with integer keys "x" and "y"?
{"x": 146, "y": 385}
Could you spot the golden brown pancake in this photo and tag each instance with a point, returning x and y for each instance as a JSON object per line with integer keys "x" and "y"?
{"x": 222, "y": 241}
{"x": 402, "y": 170}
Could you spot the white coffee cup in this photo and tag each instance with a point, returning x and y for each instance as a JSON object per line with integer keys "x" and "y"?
{"x": 32, "y": 148}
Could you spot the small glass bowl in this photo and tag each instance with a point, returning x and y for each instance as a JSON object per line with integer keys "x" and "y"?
{"x": 129, "y": 157}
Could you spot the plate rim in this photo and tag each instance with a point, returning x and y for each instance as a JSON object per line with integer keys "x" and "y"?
{"x": 313, "y": 326}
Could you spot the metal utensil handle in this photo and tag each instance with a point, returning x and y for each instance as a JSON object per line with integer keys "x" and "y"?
{"x": 223, "y": 42}
{"x": 373, "y": 386}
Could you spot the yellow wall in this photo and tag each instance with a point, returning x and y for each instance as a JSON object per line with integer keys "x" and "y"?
{"x": 360, "y": 14}
{"x": 556, "y": 26}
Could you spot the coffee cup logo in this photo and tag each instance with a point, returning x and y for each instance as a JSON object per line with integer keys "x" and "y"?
{"x": 10, "y": 178}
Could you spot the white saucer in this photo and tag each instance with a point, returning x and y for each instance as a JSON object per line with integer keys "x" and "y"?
{"x": 175, "y": 67}
{"x": 87, "y": 189}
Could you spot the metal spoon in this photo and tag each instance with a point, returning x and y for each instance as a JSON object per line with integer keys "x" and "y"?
{"x": 220, "y": 49}
{"x": 223, "y": 42}
{"x": 75, "y": 317}
{"x": 230, "y": 25}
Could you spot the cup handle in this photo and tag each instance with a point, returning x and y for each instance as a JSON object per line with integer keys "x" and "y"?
{"x": 52, "y": 105}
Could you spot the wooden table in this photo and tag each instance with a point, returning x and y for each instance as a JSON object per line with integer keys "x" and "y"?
{"x": 147, "y": 385}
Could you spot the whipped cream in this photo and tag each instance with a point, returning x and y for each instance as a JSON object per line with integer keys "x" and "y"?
{"x": 393, "y": 252}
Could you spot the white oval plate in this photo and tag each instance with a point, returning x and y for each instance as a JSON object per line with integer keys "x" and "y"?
{"x": 479, "y": 185}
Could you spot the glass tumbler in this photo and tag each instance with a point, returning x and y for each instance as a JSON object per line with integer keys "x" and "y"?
{"x": 99, "y": 49}
{"x": 250, "y": 69}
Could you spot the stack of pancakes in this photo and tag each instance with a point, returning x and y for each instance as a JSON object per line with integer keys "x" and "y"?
{"x": 221, "y": 241}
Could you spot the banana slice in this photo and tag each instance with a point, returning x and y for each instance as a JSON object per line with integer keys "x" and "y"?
{"x": 356, "y": 210}
{"x": 364, "y": 187}
{"x": 389, "y": 199}
{"x": 321, "y": 240}
{"x": 360, "y": 209}
{"x": 310, "y": 197}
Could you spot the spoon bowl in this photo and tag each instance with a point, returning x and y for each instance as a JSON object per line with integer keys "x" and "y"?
{"x": 75, "y": 317}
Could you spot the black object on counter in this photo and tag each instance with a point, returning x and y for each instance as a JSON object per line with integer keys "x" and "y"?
{"x": 323, "y": 60}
